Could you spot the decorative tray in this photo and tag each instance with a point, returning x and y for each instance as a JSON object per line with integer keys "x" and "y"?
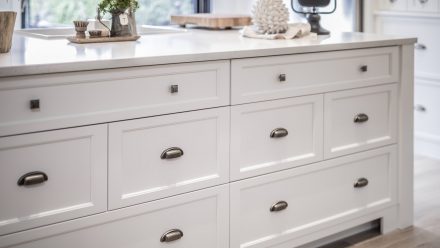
{"x": 74, "y": 39}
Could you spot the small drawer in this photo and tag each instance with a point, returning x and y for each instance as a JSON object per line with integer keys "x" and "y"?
{"x": 427, "y": 109}
{"x": 162, "y": 156}
{"x": 269, "y": 78}
{"x": 361, "y": 119}
{"x": 52, "y": 177}
{"x": 395, "y": 5}
{"x": 431, "y": 6}
{"x": 196, "y": 220}
{"x": 276, "y": 135}
{"x": 44, "y": 102}
{"x": 278, "y": 208}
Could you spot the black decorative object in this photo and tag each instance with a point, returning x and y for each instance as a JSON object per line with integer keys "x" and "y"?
{"x": 313, "y": 16}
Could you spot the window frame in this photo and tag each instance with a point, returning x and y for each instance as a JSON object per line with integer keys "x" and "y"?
{"x": 200, "y": 6}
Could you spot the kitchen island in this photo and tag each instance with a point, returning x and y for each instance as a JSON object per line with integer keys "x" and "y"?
{"x": 204, "y": 139}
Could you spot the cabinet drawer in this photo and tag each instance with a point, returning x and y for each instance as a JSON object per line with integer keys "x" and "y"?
{"x": 360, "y": 119}
{"x": 277, "y": 208}
{"x": 202, "y": 217}
{"x": 276, "y": 135}
{"x": 427, "y": 109}
{"x": 161, "y": 156}
{"x": 68, "y": 177}
{"x": 259, "y": 79}
{"x": 395, "y": 5}
{"x": 427, "y": 48}
{"x": 73, "y": 99}
{"x": 424, "y": 6}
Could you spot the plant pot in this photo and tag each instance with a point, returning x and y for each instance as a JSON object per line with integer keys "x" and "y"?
{"x": 120, "y": 24}
{"x": 7, "y": 23}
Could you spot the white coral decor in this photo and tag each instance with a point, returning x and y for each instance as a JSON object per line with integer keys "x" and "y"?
{"x": 270, "y": 16}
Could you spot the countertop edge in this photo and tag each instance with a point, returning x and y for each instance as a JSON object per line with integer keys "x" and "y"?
{"x": 27, "y": 70}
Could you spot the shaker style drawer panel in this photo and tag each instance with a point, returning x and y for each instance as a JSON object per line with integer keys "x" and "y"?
{"x": 51, "y": 177}
{"x": 427, "y": 109}
{"x": 196, "y": 220}
{"x": 276, "y": 135}
{"x": 277, "y": 208}
{"x": 427, "y": 48}
{"x": 268, "y": 78}
{"x": 360, "y": 119}
{"x": 71, "y": 99}
{"x": 162, "y": 156}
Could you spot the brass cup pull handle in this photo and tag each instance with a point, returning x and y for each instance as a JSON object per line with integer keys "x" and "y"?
{"x": 282, "y": 77}
{"x": 32, "y": 178}
{"x": 423, "y": 1}
{"x": 279, "y": 206}
{"x": 361, "y": 118}
{"x": 279, "y": 133}
{"x": 419, "y": 46}
{"x": 171, "y": 153}
{"x": 420, "y": 108}
{"x": 171, "y": 235}
{"x": 364, "y": 68}
{"x": 361, "y": 183}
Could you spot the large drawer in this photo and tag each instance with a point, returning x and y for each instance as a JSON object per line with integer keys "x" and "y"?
{"x": 277, "y": 208}
{"x": 161, "y": 156}
{"x": 44, "y": 102}
{"x": 276, "y": 135}
{"x": 275, "y": 77}
{"x": 427, "y": 49}
{"x": 51, "y": 177}
{"x": 202, "y": 217}
{"x": 360, "y": 119}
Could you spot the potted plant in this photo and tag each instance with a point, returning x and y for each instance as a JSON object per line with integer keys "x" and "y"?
{"x": 122, "y": 12}
{"x": 7, "y": 23}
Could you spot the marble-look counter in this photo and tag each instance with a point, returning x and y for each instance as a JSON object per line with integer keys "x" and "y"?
{"x": 38, "y": 56}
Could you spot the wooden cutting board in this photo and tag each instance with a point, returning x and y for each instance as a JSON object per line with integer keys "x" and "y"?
{"x": 214, "y": 21}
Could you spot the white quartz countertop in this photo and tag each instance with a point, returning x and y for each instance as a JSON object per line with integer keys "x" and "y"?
{"x": 37, "y": 56}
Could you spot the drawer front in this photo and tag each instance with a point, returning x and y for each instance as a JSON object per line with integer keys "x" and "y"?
{"x": 161, "y": 156}
{"x": 271, "y": 136}
{"x": 51, "y": 177}
{"x": 74, "y": 99}
{"x": 427, "y": 49}
{"x": 424, "y": 5}
{"x": 360, "y": 119}
{"x": 427, "y": 109}
{"x": 277, "y": 208}
{"x": 396, "y": 5}
{"x": 202, "y": 217}
{"x": 259, "y": 79}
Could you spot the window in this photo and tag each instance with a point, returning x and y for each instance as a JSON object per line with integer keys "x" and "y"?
{"x": 56, "y": 13}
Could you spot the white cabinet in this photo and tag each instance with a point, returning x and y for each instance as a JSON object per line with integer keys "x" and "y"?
{"x": 272, "y": 136}
{"x": 273, "y": 209}
{"x": 51, "y": 177}
{"x": 360, "y": 119}
{"x": 282, "y": 151}
{"x": 197, "y": 220}
{"x": 161, "y": 156}
{"x": 422, "y": 20}
{"x": 396, "y": 5}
